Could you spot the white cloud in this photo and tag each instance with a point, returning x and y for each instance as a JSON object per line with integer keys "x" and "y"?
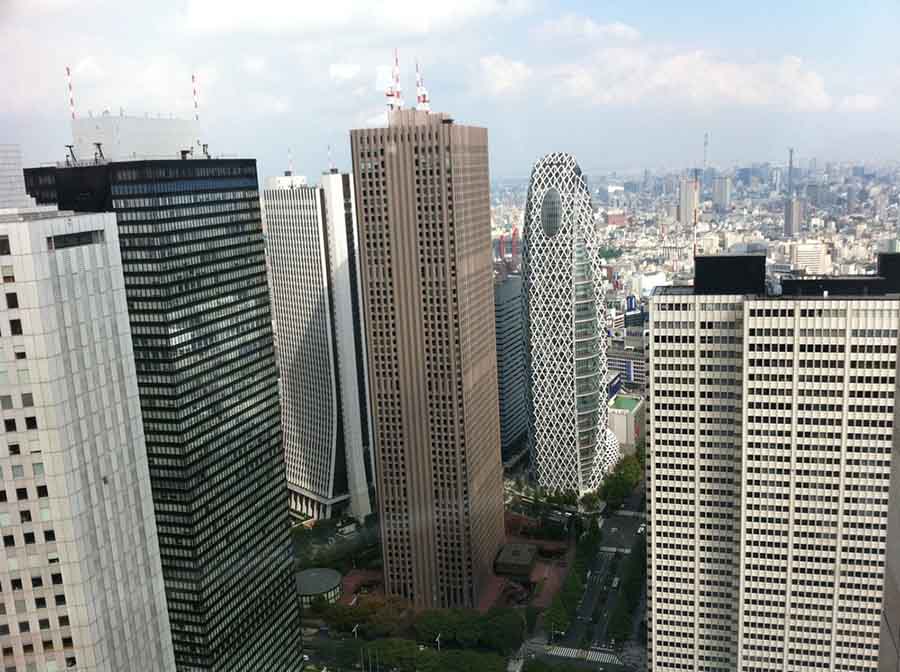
{"x": 571, "y": 26}
{"x": 292, "y": 17}
{"x": 501, "y": 76}
{"x": 861, "y": 102}
{"x": 255, "y": 65}
{"x": 341, "y": 72}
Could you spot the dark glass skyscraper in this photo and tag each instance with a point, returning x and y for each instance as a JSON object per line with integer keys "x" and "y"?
{"x": 195, "y": 281}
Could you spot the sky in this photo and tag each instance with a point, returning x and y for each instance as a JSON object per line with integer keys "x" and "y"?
{"x": 624, "y": 86}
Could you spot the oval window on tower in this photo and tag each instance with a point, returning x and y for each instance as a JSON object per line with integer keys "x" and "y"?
{"x": 551, "y": 212}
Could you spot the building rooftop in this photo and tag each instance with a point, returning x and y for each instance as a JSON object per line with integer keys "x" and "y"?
{"x": 625, "y": 403}
{"x": 318, "y": 580}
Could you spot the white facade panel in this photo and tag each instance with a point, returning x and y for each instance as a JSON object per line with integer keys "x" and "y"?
{"x": 566, "y": 331}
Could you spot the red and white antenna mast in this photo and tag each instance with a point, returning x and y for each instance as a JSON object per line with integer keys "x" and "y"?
{"x": 395, "y": 100}
{"x": 196, "y": 104}
{"x": 71, "y": 95}
{"x": 423, "y": 102}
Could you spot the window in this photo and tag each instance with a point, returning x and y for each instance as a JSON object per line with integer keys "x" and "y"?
{"x": 38, "y": 468}
{"x": 20, "y": 606}
{"x": 41, "y": 603}
{"x": 24, "y": 626}
{"x": 20, "y": 354}
{"x": 6, "y": 402}
{"x": 12, "y": 300}
{"x": 16, "y": 584}
{"x": 36, "y": 582}
{"x": 57, "y": 579}
{"x": 4, "y": 519}
{"x": 25, "y": 516}
{"x": 64, "y": 621}
{"x": 15, "y": 327}
{"x": 14, "y": 449}
{"x": 31, "y": 422}
{"x": 9, "y": 541}
{"x": 60, "y": 600}
{"x": 29, "y": 538}
{"x": 45, "y": 514}
{"x": 8, "y": 273}
{"x": 67, "y": 642}
{"x": 4, "y": 630}
{"x": 4, "y": 245}
{"x": 42, "y": 491}
{"x": 43, "y": 623}
{"x": 27, "y": 400}
{"x": 27, "y": 648}
{"x": 18, "y": 471}
{"x": 9, "y": 424}
{"x": 49, "y": 535}
{"x": 21, "y": 493}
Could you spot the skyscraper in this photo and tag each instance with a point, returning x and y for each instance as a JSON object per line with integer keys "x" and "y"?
{"x": 770, "y": 464}
{"x": 793, "y": 217}
{"x": 571, "y": 444}
{"x": 80, "y": 571}
{"x": 424, "y": 212}
{"x": 509, "y": 324}
{"x": 722, "y": 193}
{"x": 326, "y": 424}
{"x": 198, "y": 303}
{"x": 688, "y": 200}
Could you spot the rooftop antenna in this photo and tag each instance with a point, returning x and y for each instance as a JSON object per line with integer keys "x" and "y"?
{"x": 330, "y": 160}
{"x": 705, "y": 150}
{"x": 696, "y": 203}
{"x": 395, "y": 101}
{"x": 71, "y": 95}
{"x": 290, "y": 162}
{"x": 196, "y": 105}
{"x": 99, "y": 153}
{"x": 790, "y": 185}
{"x": 423, "y": 101}
{"x": 71, "y": 149}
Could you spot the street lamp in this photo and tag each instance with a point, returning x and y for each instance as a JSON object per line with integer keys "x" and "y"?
{"x": 355, "y": 630}
{"x": 438, "y": 640}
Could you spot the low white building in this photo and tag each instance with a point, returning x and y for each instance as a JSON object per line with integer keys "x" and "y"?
{"x": 626, "y": 420}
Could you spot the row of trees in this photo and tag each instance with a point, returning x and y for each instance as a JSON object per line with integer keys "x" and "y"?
{"x": 559, "y": 615}
{"x": 499, "y": 630}
{"x": 619, "y": 483}
{"x": 621, "y": 621}
{"x": 404, "y": 655}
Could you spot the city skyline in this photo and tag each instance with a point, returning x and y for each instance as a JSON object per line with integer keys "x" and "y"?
{"x": 635, "y": 87}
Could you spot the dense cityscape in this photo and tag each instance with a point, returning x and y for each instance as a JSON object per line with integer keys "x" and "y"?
{"x": 403, "y": 415}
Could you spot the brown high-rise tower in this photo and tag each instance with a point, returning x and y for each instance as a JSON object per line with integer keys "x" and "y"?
{"x": 425, "y": 252}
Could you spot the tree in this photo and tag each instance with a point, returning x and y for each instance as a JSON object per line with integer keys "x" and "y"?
{"x": 631, "y": 470}
{"x": 502, "y": 630}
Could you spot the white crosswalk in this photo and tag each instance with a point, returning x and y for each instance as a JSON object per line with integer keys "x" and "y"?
{"x": 584, "y": 654}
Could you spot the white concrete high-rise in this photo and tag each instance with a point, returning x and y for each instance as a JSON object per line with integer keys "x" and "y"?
{"x": 722, "y": 193}
{"x": 688, "y": 200}
{"x": 566, "y": 331}
{"x": 313, "y": 252}
{"x": 771, "y": 453}
{"x": 80, "y": 569}
{"x": 124, "y": 137}
{"x": 811, "y": 257}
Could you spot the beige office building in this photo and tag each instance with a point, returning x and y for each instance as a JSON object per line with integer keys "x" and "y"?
{"x": 423, "y": 208}
{"x": 770, "y": 460}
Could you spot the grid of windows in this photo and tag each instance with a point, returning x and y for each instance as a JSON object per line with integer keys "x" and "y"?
{"x": 423, "y": 209}
{"x": 193, "y": 257}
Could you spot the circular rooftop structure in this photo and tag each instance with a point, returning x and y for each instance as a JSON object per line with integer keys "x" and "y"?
{"x": 319, "y": 582}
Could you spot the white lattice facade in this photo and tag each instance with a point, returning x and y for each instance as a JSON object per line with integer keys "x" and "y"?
{"x": 566, "y": 326}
